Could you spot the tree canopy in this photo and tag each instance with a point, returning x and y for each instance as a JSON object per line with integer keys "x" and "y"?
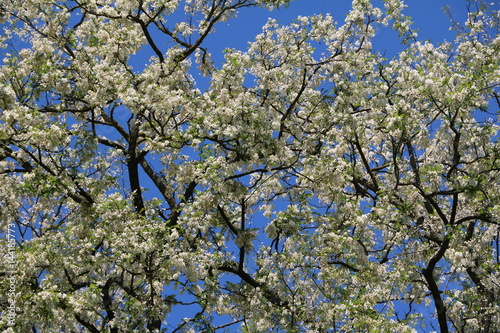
{"x": 312, "y": 185}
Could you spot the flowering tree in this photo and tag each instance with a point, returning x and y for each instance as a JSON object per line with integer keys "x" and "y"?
{"x": 312, "y": 186}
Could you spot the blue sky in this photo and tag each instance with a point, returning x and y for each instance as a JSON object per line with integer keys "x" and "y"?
{"x": 429, "y": 18}
{"x": 428, "y": 15}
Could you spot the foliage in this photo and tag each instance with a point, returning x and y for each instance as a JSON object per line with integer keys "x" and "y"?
{"x": 313, "y": 185}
